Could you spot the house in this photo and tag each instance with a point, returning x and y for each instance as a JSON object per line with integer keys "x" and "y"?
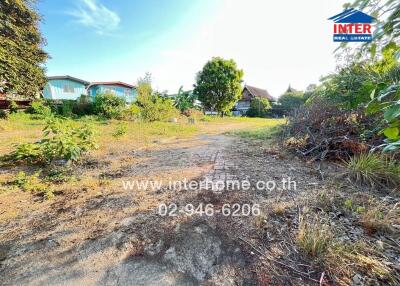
{"x": 124, "y": 90}
{"x": 64, "y": 87}
{"x": 248, "y": 94}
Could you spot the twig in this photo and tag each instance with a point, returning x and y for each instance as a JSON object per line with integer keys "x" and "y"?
{"x": 302, "y": 274}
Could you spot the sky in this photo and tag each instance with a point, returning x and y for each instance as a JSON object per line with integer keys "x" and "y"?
{"x": 276, "y": 43}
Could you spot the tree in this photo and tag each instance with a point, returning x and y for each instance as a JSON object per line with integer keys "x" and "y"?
{"x": 258, "y": 107}
{"x": 21, "y": 53}
{"x": 185, "y": 100}
{"x": 290, "y": 101}
{"x": 218, "y": 85}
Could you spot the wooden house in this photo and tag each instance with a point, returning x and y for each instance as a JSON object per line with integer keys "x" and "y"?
{"x": 64, "y": 88}
{"x": 248, "y": 94}
{"x": 121, "y": 89}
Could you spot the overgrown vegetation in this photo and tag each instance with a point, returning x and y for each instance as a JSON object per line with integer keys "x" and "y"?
{"x": 374, "y": 170}
{"x": 61, "y": 140}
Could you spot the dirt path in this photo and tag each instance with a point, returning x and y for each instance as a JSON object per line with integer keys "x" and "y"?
{"x": 116, "y": 236}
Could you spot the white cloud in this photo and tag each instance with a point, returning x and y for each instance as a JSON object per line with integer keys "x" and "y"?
{"x": 95, "y": 15}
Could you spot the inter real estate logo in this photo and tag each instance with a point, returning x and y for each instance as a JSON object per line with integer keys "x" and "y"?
{"x": 352, "y": 26}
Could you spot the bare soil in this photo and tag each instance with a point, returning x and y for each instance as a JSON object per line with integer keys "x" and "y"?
{"x": 106, "y": 235}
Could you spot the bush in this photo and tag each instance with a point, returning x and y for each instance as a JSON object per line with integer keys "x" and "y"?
{"x": 322, "y": 130}
{"x": 60, "y": 141}
{"x": 13, "y": 107}
{"x": 156, "y": 108}
{"x": 258, "y": 107}
{"x": 109, "y": 106}
{"x": 374, "y": 170}
{"x": 83, "y": 106}
{"x": 37, "y": 107}
{"x": 3, "y": 114}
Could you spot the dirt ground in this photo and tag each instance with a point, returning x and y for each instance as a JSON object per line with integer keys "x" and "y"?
{"x": 106, "y": 235}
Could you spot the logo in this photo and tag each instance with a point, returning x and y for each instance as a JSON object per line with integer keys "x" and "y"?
{"x": 352, "y": 26}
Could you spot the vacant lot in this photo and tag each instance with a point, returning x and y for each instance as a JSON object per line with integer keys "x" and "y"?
{"x": 97, "y": 232}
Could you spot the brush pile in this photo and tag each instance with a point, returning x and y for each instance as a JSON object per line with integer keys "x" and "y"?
{"x": 324, "y": 131}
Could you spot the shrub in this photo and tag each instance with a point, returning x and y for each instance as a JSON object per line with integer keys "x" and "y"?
{"x": 156, "y": 108}
{"x": 374, "y": 170}
{"x": 13, "y": 107}
{"x": 258, "y": 107}
{"x": 60, "y": 141}
{"x": 37, "y": 107}
{"x": 133, "y": 112}
{"x": 109, "y": 105}
{"x": 83, "y": 106}
{"x": 3, "y": 114}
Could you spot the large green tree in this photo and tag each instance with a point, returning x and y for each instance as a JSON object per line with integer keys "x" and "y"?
{"x": 218, "y": 85}
{"x": 21, "y": 54}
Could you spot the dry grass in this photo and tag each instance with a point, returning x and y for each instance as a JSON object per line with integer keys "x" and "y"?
{"x": 344, "y": 261}
{"x": 314, "y": 238}
{"x": 374, "y": 170}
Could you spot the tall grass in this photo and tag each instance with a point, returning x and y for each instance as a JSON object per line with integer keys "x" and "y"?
{"x": 374, "y": 170}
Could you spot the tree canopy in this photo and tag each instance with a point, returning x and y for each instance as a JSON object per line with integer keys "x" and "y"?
{"x": 218, "y": 85}
{"x": 21, "y": 54}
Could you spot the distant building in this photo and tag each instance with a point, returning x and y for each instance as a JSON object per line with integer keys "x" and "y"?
{"x": 64, "y": 87}
{"x": 248, "y": 94}
{"x": 121, "y": 89}
{"x": 291, "y": 89}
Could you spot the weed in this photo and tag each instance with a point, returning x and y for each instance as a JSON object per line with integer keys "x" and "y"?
{"x": 3, "y": 114}
{"x": 29, "y": 183}
{"x": 314, "y": 238}
{"x": 121, "y": 130}
{"x": 377, "y": 219}
{"x": 60, "y": 140}
{"x": 374, "y": 170}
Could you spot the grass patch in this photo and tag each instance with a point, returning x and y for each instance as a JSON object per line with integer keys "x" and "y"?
{"x": 262, "y": 133}
{"x": 374, "y": 170}
{"x": 314, "y": 238}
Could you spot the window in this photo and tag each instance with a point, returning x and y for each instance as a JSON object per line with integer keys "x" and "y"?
{"x": 127, "y": 92}
{"x": 68, "y": 88}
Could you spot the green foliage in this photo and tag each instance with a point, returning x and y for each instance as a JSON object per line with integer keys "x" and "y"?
{"x": 156, "y": 108}
{"x": 144, "y": 88}
{"x": 121, "y": 130}
{"x": 387, "y": 15}
{"x": 259, "y": 107}
{"x": 21, "y": 54}
{"x": 109, "y": 105}
{"x": 3, "y": 114}
{"x": 29, "y": 183}
{"x": 218, "y": 85}
{"x": 374, "y": 170}
{"x": 185, "y": 100}
{"x": 60, "y": 140}
{"x": 83, "y": 106}
{"x": 290, "y": 101}
{"x": 38, "y": 108}
{"x": 13, "y": 107}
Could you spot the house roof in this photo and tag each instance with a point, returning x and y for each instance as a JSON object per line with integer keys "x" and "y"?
{"x": 352, "y": 16}
{"x": 259, "y": 92}
{"x": 70, "y": 78}
{"x": 111, "y": 83}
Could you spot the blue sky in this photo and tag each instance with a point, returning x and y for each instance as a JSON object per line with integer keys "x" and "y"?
{"x": 274, "y": 42}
